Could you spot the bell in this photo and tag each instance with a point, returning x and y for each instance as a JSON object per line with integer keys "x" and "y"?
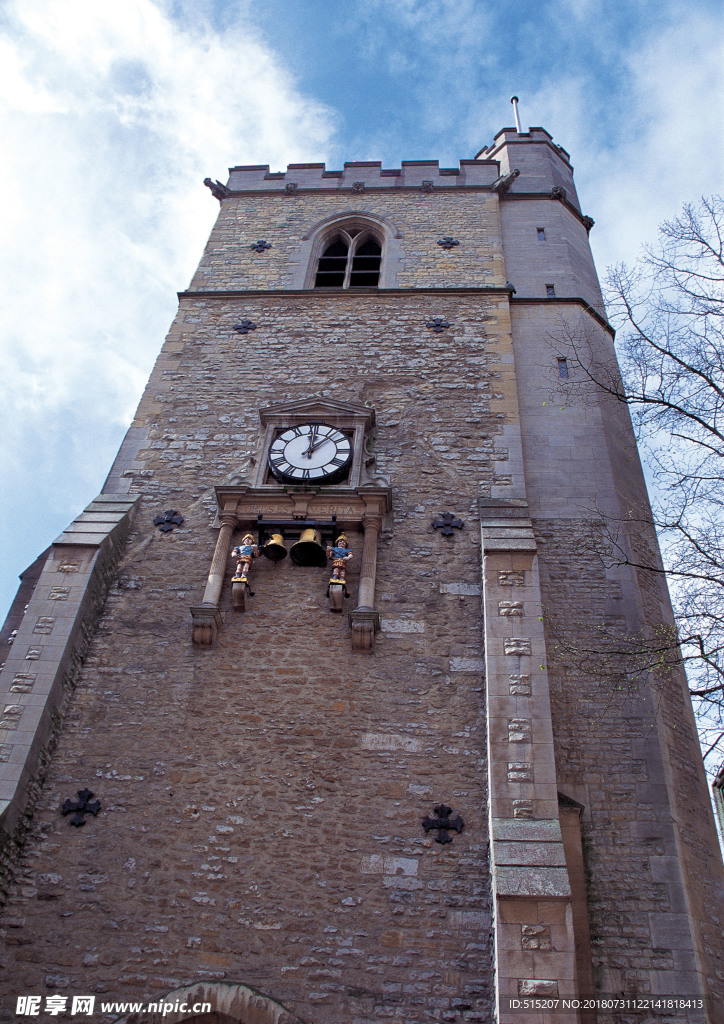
{"x": 308, "y": 550}
{"x": 274, "y": 548}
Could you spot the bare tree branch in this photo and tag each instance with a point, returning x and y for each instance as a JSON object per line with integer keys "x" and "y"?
{"x": 668, "y": 311}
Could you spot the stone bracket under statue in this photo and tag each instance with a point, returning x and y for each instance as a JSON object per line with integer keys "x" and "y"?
{"x": 339, "y": 508}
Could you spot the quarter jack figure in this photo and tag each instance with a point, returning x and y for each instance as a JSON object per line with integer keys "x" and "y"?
{"x": 244, "y": 554}
{"x": 337, "y": 589}
{"x": 340, "y": 555}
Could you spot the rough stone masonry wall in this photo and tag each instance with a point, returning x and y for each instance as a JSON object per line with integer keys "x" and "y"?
{"x": 612, "y": 749}
{"x": 611, "y": 759}
{"x": 262, "y": 800}
{"x": 415, "y": 222}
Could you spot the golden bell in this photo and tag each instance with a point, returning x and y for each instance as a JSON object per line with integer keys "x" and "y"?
{"x": 275, "y": 548}
{"x": 308, "y": 550}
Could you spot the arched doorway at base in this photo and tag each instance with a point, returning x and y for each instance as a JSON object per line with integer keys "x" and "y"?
{"x": 213, "y": 1002}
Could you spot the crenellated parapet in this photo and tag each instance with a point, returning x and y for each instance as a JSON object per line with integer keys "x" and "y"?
{"x": 358, "y": 176}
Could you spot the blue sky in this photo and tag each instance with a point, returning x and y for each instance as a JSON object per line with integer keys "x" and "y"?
{"x": 112, "y": 114}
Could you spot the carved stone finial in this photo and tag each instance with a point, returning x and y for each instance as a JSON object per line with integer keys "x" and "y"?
{"x": 503, "y": 183}
{"x": 218, "y": 189}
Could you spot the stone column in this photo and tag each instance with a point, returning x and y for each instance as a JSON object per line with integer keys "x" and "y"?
{"x": 364, "y": 620}
{"x": 206, "y": 616}
{"x": 535, "y": 950}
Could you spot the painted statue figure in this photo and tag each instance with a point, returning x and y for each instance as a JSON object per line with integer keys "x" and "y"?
{"x": 244, "y": 554}
{"x": 340, "y": 555}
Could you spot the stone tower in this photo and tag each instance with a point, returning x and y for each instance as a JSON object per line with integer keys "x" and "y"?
{"x": 414, "y": 795}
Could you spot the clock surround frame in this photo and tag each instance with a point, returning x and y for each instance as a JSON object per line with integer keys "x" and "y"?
{"x": 356, "y": 421}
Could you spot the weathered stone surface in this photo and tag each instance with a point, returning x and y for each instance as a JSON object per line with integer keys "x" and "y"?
{"x": 260, "y": 839}
{"x": 266, "y": 795}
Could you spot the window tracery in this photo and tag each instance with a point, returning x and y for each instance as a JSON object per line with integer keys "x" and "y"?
{"x": 351, "y": 259}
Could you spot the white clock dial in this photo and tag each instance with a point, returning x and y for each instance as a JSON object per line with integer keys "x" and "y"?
{"x": 310, "y": 452}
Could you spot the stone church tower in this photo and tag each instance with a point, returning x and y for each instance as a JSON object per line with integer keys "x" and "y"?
{"x": 413, "y": 794}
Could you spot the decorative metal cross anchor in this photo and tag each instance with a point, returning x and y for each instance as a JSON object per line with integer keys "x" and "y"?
{"x": 443, "y": 823}
{"x": 245, "y": 326}
{"x": 81, "y": 806}
{"x": 437, "y": 324}
{"x": 261, "y": 245}
{"x": 447, "y": 242}
{"x": 446, "y": 521}
{"x": 168, "y": 520}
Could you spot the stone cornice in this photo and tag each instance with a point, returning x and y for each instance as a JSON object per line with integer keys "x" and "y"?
{"x": 347, "y": 189}
{"x": 335, "y": 293}
{"x": 566, "y": 301}
{"x": 320, "y": 294}
{"x": 538, "y": 196}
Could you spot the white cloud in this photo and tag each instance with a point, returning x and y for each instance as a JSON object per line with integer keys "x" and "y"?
{"x": 648, "y": 142}
{"x": 113, "y": 114}
{"x": 668, "y": 146}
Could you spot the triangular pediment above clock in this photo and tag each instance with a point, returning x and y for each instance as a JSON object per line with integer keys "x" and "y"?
{"x": 340, "y": 413}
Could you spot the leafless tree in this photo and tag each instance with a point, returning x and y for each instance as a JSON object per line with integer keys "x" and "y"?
{"x": 669, "y": 314}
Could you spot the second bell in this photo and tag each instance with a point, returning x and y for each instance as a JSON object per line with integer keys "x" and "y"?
{"x": 308, "y": 549}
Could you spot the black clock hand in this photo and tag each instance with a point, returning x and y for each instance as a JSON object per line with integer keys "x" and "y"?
{"x": 319, "y": 444}
{"x": 311, "y": 447}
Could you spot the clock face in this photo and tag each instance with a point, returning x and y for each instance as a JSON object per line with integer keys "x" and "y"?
{"x": 310, "y": 452}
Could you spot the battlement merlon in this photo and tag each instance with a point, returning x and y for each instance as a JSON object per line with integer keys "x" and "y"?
{"x": 543, "y": 165}
{"x": 411, "y": 174}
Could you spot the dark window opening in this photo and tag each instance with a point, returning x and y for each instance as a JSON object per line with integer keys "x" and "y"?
{"x": 366, "y": 265}
{"x": 332, "y": 266}
{"x": 541, "y": 234}
{"x": 351, "y": 260}
{"x": 550, "y": 291}
{"x": 562, "y": 368}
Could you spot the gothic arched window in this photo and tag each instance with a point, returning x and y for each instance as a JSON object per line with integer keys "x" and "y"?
{"x": 350, "y": 259}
